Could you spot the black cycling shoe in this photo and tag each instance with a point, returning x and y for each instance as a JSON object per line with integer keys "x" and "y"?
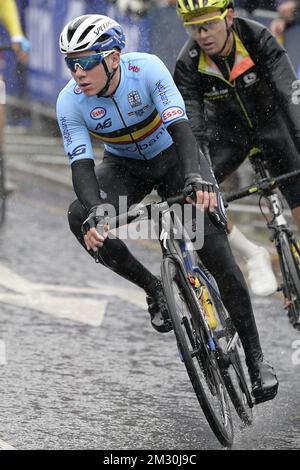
{"x": 264, "y": 381}
{"x": 157, "y": 307}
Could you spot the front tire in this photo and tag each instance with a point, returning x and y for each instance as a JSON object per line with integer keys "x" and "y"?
{"x": 230, "y": 361}
{"x": 199, "y": 359}
{"x": 289, "y": 258}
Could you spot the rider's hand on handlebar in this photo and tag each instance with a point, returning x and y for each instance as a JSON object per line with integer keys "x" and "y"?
{"x": 95, "y": 229}
{"x": 203, "y": 193}
{"x": 93, "y": 240}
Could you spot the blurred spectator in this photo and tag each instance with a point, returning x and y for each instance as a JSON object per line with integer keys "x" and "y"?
{"x": 251, "y": 5}
{"x": 9, "y": 16}
{"x": 140, "y": 7}
{"x": 289, "y": 14}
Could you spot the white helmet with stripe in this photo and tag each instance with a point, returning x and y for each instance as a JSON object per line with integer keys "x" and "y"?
{"x": 91, "y": 32}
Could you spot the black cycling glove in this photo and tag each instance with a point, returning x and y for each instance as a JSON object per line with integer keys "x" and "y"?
{"x": 97, "y": 217}
{"x": 196, "y": 183}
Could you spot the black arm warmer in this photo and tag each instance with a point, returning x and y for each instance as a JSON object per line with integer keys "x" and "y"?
{"x": 85, "y": 183}
{"x": 186, "y": 146}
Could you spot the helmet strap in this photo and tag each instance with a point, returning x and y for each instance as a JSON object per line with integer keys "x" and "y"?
{"x": 109, "y": 75}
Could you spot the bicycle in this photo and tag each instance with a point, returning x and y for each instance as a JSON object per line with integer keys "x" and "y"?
{"x": 287, "y": 246}
{"x": 3, "y": 194}
{"x": 207, "y": 341}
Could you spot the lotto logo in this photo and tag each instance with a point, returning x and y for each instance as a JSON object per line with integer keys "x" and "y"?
{"x": 98, "y": 113}
{"x": 172, "y": 113}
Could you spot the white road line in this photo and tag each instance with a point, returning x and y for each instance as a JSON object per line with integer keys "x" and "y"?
{"x": 50, "y": 298}
{"x": 82, "y": 310}
{"x": 5, "y": 446}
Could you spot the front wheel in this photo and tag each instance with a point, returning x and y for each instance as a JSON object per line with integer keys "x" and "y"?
{"x": 197, "y": 351}
{"x": 289, "y": 260}
{"x": 229, "y": 353}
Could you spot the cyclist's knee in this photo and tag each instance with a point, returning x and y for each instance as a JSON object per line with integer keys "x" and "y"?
{"x": 113, "y": 253}
{"x": 76, "y": 215}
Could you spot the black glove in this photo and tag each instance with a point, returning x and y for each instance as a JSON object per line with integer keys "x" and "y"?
{"x": 196, "y": 183}
{"x": 97, "y": 218}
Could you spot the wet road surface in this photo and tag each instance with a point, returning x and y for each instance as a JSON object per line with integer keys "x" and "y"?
{"x": 76, "y": 379}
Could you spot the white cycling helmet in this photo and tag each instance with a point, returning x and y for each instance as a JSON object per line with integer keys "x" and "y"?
{"x": 91, "y": 32}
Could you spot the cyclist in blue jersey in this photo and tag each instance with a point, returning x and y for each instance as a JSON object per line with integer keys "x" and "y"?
{"x": 131, "y": 103}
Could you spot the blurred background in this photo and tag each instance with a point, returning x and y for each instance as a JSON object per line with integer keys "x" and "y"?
{"x": 150, "y": 25}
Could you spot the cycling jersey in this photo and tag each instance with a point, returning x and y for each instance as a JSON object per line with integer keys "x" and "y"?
{"x": 10, "y": 18}
{"x": 133, "y": 122}
{"x": 262, "y": 83}
{"x": 256, "y": 104}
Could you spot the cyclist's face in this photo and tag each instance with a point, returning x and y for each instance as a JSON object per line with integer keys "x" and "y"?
{"x": 212, "y": 33}
{"x": 93, "y": 80}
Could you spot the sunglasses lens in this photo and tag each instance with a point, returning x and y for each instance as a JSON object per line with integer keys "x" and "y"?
{"x": 85, "y": 63}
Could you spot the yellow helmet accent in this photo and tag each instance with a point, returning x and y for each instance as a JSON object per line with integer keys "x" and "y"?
{"x": 188, "y": 8}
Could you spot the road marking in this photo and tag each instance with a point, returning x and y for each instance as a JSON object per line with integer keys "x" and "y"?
{"x": 5, "y": 446}
{"x": 50, "y": 298}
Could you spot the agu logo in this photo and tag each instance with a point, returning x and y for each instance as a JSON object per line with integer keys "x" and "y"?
{"x": 98, "y": 113}
{"x": 172, "y": 113}
{"x": 250, "y": 78}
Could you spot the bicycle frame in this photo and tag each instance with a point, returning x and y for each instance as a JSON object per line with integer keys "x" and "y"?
{"x": 180, "y": 252}
{"x": 275, "y": 203}
{"x": 184, "y": 258}
{"x": 285, "y": 242}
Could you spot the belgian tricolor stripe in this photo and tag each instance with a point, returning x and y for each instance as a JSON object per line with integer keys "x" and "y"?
{"x": 135, "y": 133}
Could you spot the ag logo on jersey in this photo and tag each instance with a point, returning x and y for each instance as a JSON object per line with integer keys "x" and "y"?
{"x": 250, "y": 78}
{"x": 134, "y": 99}
{"x": 172, "y": 113}
{"x": 104, "y": 125}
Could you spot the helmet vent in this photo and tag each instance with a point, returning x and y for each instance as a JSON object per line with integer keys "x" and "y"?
{"x": 85, "y": 33}
{"x": 103, "y": 38}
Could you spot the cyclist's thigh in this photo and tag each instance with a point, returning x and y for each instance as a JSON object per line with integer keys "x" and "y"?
{"x": 173, "y": 181}
{"x": 279, "y": 147}
{"x": 282, "y": 157}
{"x": 226, "y": 157}
{"x": 119, "y": 186}
{"x": 173, "y": 184}
{"x": 118, "y": 191}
